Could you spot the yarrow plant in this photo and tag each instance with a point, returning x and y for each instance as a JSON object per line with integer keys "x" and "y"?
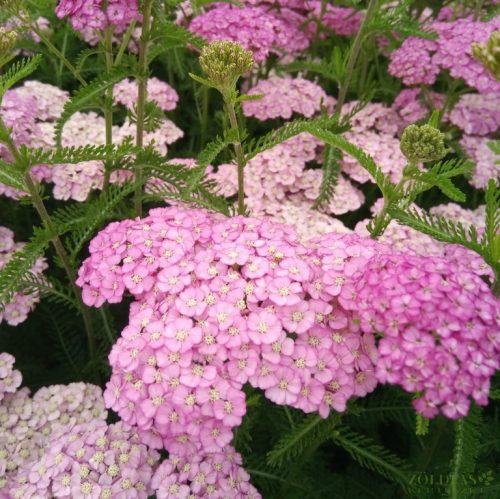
{"x": 261, "y": 249}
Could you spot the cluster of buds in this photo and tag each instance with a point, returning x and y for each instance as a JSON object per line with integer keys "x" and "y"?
{"x": 223, "y": 63}
{"x": 422, "y": 143}
{"x": 489, "y": 54}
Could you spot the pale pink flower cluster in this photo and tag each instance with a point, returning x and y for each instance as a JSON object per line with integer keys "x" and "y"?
{"x": 282, "y": 97}
{"x": 477, "y": 114}
{"x": 219, "y": 303}
{"x": 159, "y": 92}
{"x": 32, "y": 110}
{"x": 91, "y": 460}
{"x": 31, "y": 427}
{"x": 279, "y": 175}
{"x": 96, "y": 14}
{"x": 486, "y": 161}
{"x": 257, "y": 29}
{"x": 222, "y": 302}
{"x": 10, "y": 378}
{"x": 17, "y": 310}
{"x": 419, "y": 61}
{"x": 374, "y": 129}
{"x": 308, "y": 223}
{"x": 217, "y": 474}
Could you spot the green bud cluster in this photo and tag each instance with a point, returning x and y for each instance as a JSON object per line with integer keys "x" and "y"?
{"x": 7, "y": 40}
{"x": 224, "y": 62}
{"x": 489, "y": 55}
{"x": 422, "y": 143}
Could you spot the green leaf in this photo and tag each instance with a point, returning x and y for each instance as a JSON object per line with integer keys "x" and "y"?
{"x": 249, "y": 97}
{"x": 491, "y": 237}
{"x": 171, "y": 35}
{"x": 17, "y": 72}
{"x": 89, "y": 97}
{"x": 20, "y": 264}
{"x": 331, "y": 169}
{"x": 201, "y": 80}
{"x": 373, "y": 456}
{"x": 309, "y": 434}
{"x": 465, "y": 452}
{"x": 11, "y": 176}
{"x": 74, "y": 155}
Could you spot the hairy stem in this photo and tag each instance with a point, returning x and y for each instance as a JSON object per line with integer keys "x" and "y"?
{"x": 240, "y": 156}
{"x": 141, "y": 99}
{"x": 108, "y": 104}
{"x": 55, "y": 239}
{"x": 353, "y": 56}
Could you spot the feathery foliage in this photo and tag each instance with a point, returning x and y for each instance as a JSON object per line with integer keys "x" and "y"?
{"x": 309, "y": 434}
{"x": 373, "y": 456}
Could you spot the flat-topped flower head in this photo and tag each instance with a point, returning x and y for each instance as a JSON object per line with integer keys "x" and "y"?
{"x": 224, "y": 62}
{"x": 422, "y": 143}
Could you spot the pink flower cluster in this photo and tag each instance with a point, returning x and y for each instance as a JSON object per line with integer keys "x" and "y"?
{"x": 343, "y": 21}
{"x": 255, "y": 28}
{"x": 222, "y": 302}
{"x": 279, "y": 175}
{"x": 419, "y": 61}
{"x": 218, "y": 474}
{"x": 477, "y": 114}
{"x": 10, "y": 379}
{"x": 58, "y": 444}
{"x": 159, "y": 92}
{"x": 33, "y": 428}
{"x": 441, "y": 330}
{"x": 413, "y": 106}
{"x": 486, "y": 161}
{"x": 17, "y": 310}
{"x": 91, "y": 460}
{"x": 219, "y": 303}
{"x": 284, "y": 96}
{"x": 96, "y": 14}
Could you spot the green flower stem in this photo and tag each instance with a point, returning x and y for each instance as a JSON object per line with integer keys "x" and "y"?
{"x": 125, "y": 41}
{"x": 108, "y": 104}
{"x": 52, "y": 48}
{"x": 56, "y": 240}
{"x": 141, "y": 99}
{"x": 240, "y": 156}
{"x": 353, "y": 56}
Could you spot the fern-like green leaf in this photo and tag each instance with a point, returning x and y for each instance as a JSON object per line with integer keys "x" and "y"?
{"x": 207, "y": 156}
{"x": 440, "y": 228}
{"x": 49, "y": 288}
{"x": 491, "y": 238}
{"x": 11, "y": 176}
{"x": 289, "y": 130}
{"x": 311, "y": 432}
{"x": 17, "y": 72}
{"x": 331, "y": 169}
{"x": 373, "y": 456}
{"x": 20, "y": 264}
{"x": 76, "y": 155}
{"x": 88, "y": 97}
{"x": 465, "y": 452}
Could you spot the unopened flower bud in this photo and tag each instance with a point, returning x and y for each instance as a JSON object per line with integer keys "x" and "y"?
{"x": 7, "y": 40}
{"x": 224, "y": 62}
{"x": 489, "y": 54}
{"x": 422, "y": 143}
